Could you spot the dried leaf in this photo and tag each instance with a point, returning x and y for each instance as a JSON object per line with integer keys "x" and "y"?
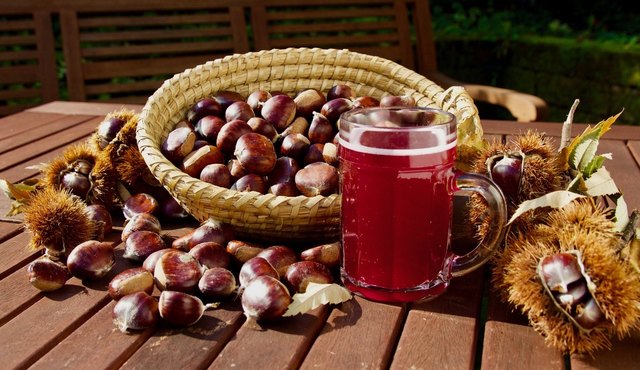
{"x": 622, "y": 214}
{"x": 18, "y": 192}
{"x": 316, "y": 296}
{"x": 556, "y": 199}
{"x": 601, "y": 183}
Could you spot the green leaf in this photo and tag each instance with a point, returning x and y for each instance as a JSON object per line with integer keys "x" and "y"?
{"x": 582, "y": 149}
{"x": 595, "y": 164}
{"x": 556, "y": 199}
{"x": 315, "y": 296}
{"x": 601, "y": 183}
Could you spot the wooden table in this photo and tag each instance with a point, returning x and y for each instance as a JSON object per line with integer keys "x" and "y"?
{"x": 72, "y": 327}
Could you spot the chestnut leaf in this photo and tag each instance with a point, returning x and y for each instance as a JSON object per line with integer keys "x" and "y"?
{"x": 315, "y": 296}
{"x": 555, "y": 199}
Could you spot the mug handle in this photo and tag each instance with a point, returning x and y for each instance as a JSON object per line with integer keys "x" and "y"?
{"x": 465, "y": 181}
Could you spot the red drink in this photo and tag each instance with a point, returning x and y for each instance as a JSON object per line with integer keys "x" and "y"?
{"x": 396, "y": 219}
{"x": 398, "y": 182}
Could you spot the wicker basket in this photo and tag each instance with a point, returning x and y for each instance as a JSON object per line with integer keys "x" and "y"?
{"x": 271, "y": 218}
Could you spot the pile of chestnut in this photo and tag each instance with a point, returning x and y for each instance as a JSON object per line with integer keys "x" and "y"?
{"x": 207, "y": 264}
{"x": 269, "y": 142}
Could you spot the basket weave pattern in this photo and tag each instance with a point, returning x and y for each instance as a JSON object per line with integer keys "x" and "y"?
{"x": 268, "y": 217}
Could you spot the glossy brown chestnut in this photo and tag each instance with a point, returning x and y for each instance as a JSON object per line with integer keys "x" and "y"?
{"x": 217, "y": 283}
{"x": 91, "y": 259}
{"x": 317, "y": 179}
{"x": 47, "y": 275}
{"x": 178, "y": 144}
{"x": 279, "y": 110}
{"x": 197, "y": 160}
{"x": 255, "y": 153}
{"x": 139, "y": 203}
{"x": 280, "y": 257}
{"x": 265, "y": 298}
{"x": 211, "y": 254}
{"x": 229, "y": 135}
{"x": 136, "y": 311}
{"x": 142, "y": 221}
{"x": 177, "y": 270}
{"x": 131, "y": 281}
{"x": 140, "y": 244}
{"x": 217, "y": 174}
{"x": 300, "y": 274}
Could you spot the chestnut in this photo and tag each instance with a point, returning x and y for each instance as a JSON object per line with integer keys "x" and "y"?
{"x": 177, "y": 270}
{"x": 227, "y": 97}
{"x": 254, "y": 267}
{"x": 217, "y": 283}
{"x": 250, "y": 182}
{"x": 330, "y": 154}
{"x": 257, "y": 99}
{"x": 309, "y": 101}
{"x": 327, "y": 254}
{"x": 320, "y": 129}
{"x": 204, "y": 107}
{"x": 180, "y": 309}
{"x": 340, "y": 91}
{"x": 136, "y": 311}
{"x": 365, "y": 102}
{"x": 284, "y": 171}
{"x": 208, "y": 128}
{"x": 142, "y": 221}
{"x": 265, "y": 298}
{"x": 255, "y": 153}
{"x": 294, "y": 146}
{"x": 217, "y": 174}
{"x": 108, "y": 129}
{"x": 280, "y": 257}
{"x": 300, "y": 125}
{"x": 178, "y": 144}
{"x": 211, "y": 254}
{"x": 101, "y": 218}
{"x": 236, "y": 169}
{"x": 286, "y": 189}
{"x": 239, "y": 110}
{"x": 243, "y": 251}
{"x": 300, "y": 274}
{"x": 91, "y": 259}
{"x": 130, "y": 281}
{"x": 193, "y": 163}
{"x": 77, "y": 183}
{"x": 47, "y": 275}
{"x": 262, "y": 127}
{"x": 279, "y": 110}
{"x": 335, "y": 107}
{"x": 139, "y": 203}
{"x": 140, "y": 244}
{"x": 230, "y": 133}
{"x": 317, "y": 179}
{"x": 314, "y": 154}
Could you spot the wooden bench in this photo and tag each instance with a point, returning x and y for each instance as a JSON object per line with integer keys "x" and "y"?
{"x": 27, "y": 59}
{"x": 122, "y": 51}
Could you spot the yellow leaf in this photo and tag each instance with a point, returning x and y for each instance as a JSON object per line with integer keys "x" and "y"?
{"x": 556, "y": 199}
{"x": 315, "y": 296}
{"x": 574, "y": 156}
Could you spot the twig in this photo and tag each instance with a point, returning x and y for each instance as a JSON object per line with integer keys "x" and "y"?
{"x": 566, "y": 126}
{"x": 628, "y": 232}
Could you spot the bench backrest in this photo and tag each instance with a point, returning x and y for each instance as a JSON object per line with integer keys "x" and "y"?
{"x": 27, "y": 60}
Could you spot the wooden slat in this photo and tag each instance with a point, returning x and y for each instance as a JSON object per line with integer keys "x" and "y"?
{"x": 333, "y": 40}
{"x": 624, "y": 175}
{"x": 164, "y": 48}
{"x": 239, "y": 29}
{"x": 154, "y": 20}
{"x": 358, "y": 334}
{"x": 27, "y": 93}
{"x": 25, "y": 121}
{"x": 81, "y": 108}
{"x": 623, "y": 354}
{"x": 19, "y": 74}
{"x": 311, "y": 13}
{"x": 94, "y": 345}
{"x": 58, "y": 315}
{"x": 16, "y": 254}
{"x": 18, "y": 293}
{"x": 138, "y": 86}
{"x": 8, "y": 230}
{"x": 17, "y": 40}
{"x": 72, "y": 54}
{"x": 512, "y": 346}
{"x": 617, "y": 132}
{"x": 169, "y": 34}
{"x": 17, "y": 55}
{"x": 47, "y": 69}
{"x": 284, "y": 342}
{"x": 333, "y": 27}
{"x": 36, "y": 132}
{"x": 443, "y": 331}
{"x": 17, "y": 25}
{"x": 192, "y": 347}
{"x": 139, "y": 67}
{"x": 32, "y": 149}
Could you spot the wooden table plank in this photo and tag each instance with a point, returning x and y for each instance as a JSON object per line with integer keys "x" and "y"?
{"x": 617, "y": 132}
{"x": 43, "y": 130}
{"x": 625, "y": 176}
{"x": 284, "y": 342}
{"x": 511, "y": 346}
{"x": 35, "y": 148}
{"x": 16, "y": 254}
{"x": 192, "y": 347}
{"x": 623, "y": 354}
{"x": 97, "y": 344}
{"x": 69, "y": 108}
{"x": 26, "y": 121}
{"x": 443, "y": 331}
{"x": 18, "y": 294}
{"x": 358, "y": 334}
{"x": 8, "y": 230}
